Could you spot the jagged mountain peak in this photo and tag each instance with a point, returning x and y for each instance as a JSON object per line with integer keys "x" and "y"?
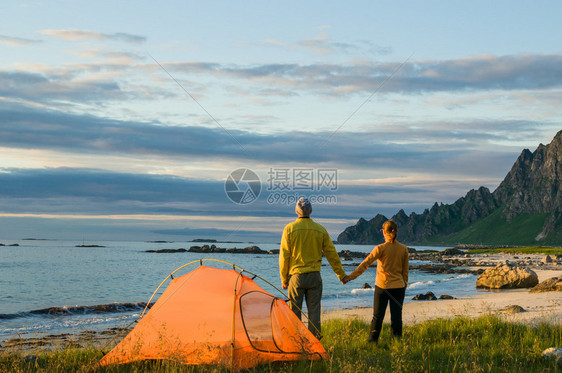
{"x": 532, "y": 188}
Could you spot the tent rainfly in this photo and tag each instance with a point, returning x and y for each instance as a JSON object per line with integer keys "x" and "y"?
{"x": 219, "y": 317}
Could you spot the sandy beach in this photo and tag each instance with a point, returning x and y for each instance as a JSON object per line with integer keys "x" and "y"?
{"x": 539, "y": 307}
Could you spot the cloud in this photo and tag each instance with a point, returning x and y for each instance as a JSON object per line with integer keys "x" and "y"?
{"x": 17, "y": 42}
{"x": 78, "y": 35}
{"x": 94, "y": 191}
{"x": 512, "y": 72}
{"x": 53, "y": 88}
{"x": 434, "y": 147}
{"x": 66, "y": 192}
{"x": 322, "y": 44}
{"x": 76, "y": 84}
{"x": 222, "y": 234}
{"x": 116, "y": 57}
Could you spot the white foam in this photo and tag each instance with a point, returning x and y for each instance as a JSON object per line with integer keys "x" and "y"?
{"x": 420, "y": 284}
{"x": 362, "y": 291}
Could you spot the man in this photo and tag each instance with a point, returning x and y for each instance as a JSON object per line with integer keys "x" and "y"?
{"x": 300, "y": 259}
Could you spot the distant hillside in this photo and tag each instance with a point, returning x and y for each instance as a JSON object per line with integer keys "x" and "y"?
{"x": 526, "y": 208}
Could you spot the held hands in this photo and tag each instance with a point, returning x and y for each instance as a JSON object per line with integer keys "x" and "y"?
{"x": 345, "y": 280}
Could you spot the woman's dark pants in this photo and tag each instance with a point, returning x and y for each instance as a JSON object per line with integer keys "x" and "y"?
{"x": 381, "y": 299}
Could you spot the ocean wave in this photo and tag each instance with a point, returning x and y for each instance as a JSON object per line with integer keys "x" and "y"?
{"x": 38, "y": 326}
{"x": 420, "y": 284}
{"x": 465, "y": 275}
{"x": 78, "y": 310}
{"x": 362, "y": 291}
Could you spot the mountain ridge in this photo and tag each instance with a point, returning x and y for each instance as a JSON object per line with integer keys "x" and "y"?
{"x": 530, "y": 192}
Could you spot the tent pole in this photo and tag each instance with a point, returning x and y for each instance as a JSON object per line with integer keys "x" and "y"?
{"x": 234, "y": 320}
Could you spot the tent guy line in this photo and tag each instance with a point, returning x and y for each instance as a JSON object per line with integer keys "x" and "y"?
{"x": 198, "y": 103}
{"x": 388, "y": 77}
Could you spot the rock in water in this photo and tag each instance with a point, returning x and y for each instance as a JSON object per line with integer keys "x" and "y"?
{"x": 366, "y": 286}
{"x": 552, "y": 284}
{"x": 453, "y": 252}
{"x": 507, "y": 277}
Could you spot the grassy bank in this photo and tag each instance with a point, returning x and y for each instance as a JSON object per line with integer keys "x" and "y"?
{"x": 494, "y": 229}
{"x": 546, "y": 250}
{"x": 447, "y": 345}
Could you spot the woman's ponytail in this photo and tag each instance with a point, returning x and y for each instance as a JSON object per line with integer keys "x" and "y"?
{"x": 390, "y": 228}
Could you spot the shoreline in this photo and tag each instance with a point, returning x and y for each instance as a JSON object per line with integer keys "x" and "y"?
{"x": 539, "y": 307}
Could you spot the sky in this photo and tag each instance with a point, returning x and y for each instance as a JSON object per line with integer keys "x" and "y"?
{"x": 175, "y": 120}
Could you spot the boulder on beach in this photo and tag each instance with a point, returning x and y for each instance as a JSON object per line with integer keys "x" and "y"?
{"x": 513, "y": 309}
{"x": 445, "y": 296}
{"x": 552, "y": 284}
{"x": 31, "y": 359}
{"x": 505, "y": 276}
{"x": 547, "y": 259}
{"x": 553, "y": 353}
{"x": 427, "y": 296}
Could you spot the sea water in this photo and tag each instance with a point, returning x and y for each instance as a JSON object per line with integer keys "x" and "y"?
{"x": 49, "y": 286}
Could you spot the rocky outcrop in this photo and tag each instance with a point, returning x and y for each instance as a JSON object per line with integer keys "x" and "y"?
{"x": 364, "y": 232}
{"x": 206, "y": 249}
{"x": 427, "y": 296}
{"x": 439, "y": 220}
{"x": 214, "y": 249}
{"x": 352, "y": 254}
{"x": 506, "y": 276}
{"x": 452, "y": 251}
{"x": 552, "y": 284}
{"x": 533, "y": 185}
{"x": 166, "y": 251}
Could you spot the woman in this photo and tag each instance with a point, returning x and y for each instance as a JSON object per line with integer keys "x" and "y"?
{"x": 391, "y": 281}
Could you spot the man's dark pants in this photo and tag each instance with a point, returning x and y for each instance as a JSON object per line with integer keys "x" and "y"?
{"x": 307, "y": 286}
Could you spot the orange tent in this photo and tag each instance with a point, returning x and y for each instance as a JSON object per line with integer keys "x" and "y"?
{"x": 217, "y": 316}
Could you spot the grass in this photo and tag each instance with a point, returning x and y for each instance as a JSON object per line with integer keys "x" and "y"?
{"x": 496, "y": 230}
{"x": 546, "y": 250}
{"x": 445, "y": 345}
